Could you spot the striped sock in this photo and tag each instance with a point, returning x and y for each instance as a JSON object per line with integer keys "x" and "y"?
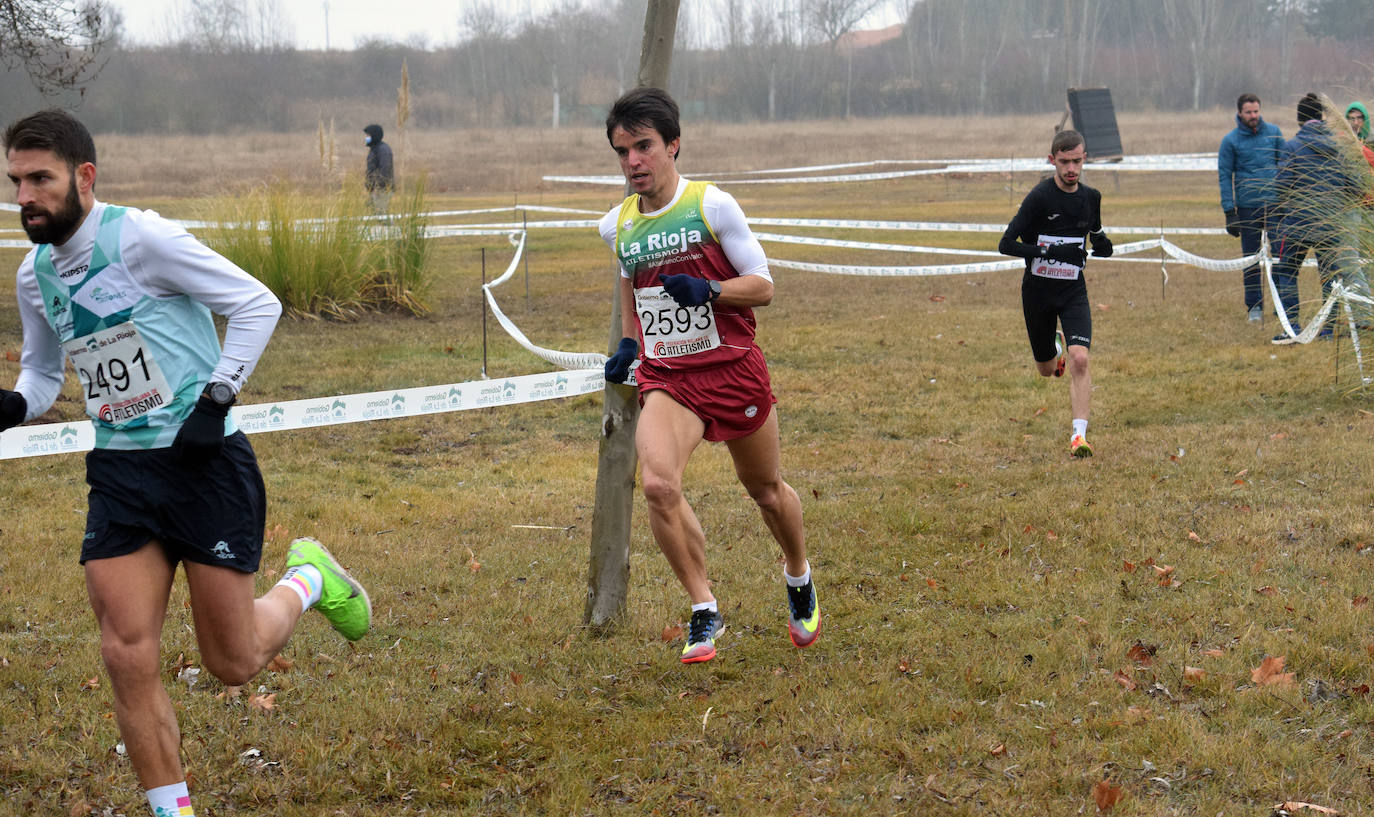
{"x": 306, "y": 581}
{"x": 170, "y": 801}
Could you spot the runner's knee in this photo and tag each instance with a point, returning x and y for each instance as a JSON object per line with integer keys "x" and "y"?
{"x": 130, "y": 660}
{"x": 231, "y": 670}
{"x": 660, "y": 489}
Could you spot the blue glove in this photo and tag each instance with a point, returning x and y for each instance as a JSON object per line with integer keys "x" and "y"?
{"x": 687, "y": 290}
{"x": 618, "y": 364}
{"x": 13, "y": 407}
{"x": 202, "y": 435}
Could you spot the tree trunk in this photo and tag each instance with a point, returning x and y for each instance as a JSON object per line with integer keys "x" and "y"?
{"x": 608, "y": 577}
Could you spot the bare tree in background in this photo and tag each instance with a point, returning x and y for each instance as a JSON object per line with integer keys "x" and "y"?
{"x": 57, "y": 42}
{"x": 1206, "y": 27}
{"x": 832, "y": 19}
{"x": 230, "y": 26}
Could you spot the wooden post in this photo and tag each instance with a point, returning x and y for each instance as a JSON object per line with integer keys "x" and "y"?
{"x": 608, "y": 578}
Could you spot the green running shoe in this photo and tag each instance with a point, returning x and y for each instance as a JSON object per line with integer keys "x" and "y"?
{"x": 342, "y": 600}
{"x": 803, "y": 615}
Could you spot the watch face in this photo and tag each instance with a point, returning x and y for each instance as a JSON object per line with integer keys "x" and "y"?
{"x": 221, "y": 393}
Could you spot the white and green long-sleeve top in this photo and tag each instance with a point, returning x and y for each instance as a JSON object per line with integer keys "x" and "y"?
{"x": 128, "y": 300}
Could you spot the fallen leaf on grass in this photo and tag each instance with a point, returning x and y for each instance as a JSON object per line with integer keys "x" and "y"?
{"x": 903, "y": 666}
{"x": 12, "y": 356}
{"x": 1142, "y": 654}
{"x": 79, "y": 808}
{"x": 1039, "y": 411}
{"x": 1214, "y": 653}
{"x": 1278, "y": 435}
{"x": 91, "y": 683}
{"x": 1294, "y": 805}
{"x": 1270, "y": 672}
{"x": 939, "y": 299}
{"x": 1359, "y": 601}
{"x": 280, "y": 664}
{"x": 264, "y": 702}
{"x": 1128, "y": 567}
{"x": 1139, "y": 713}
{"x": 1125, "y": 680}
{"x": 1106, "y": 795}
{"x": 1194, "y": 674}
{"x": 672, "y": 632}
{"x": 998, "y": 750}
{"x": 1103, "y": 307}
{"x": 229, "y": 693}
{"x": 1266, "y": 591}
{"x": 1194, "y": 537}
{"x": 516, "y": 678}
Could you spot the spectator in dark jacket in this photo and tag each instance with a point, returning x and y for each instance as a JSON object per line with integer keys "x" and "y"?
{"x": 1317, "y": 192}
{"x": 380, "y": 178}
{"x": 1246, "y": 164}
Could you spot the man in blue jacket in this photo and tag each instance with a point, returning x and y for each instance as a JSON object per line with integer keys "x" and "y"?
{"x": 1317, "y": 191}
{"x": 1246, "y": 164}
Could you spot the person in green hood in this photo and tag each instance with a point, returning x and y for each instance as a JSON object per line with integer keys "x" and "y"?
{"x": 1358, "y": 117}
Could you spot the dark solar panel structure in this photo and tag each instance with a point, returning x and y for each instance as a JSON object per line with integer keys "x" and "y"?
{"x": 1095, "y": 118}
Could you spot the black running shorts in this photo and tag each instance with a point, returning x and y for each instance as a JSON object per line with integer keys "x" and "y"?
{"x": 1044, "y": 306}
{"x": 212, "y": 514}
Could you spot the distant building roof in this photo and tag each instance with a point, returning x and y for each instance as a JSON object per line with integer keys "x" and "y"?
{"x": 859, "y": 40}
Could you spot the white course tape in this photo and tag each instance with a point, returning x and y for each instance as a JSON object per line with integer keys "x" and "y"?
{"x": 958, "y": 226}
{"x": 1185, "y": 162}
{"x": 68, "y": 438}
{"x": 566, "y": 360}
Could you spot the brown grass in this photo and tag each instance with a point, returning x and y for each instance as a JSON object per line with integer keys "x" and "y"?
{"x": 513, "y": 161}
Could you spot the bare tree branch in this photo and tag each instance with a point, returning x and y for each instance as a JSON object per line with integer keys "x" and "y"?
{"x": 57, "y": 42}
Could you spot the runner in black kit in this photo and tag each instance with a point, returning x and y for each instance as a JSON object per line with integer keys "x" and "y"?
{"x": 1058, "y": 220}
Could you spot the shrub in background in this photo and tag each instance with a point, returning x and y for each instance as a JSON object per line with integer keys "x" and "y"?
{"x": 326, "y": 255}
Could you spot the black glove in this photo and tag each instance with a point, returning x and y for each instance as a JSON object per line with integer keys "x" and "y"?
{"x": 687, "y": 290}
{"x": 202, "y": 435}
{"x": 13, "y": 408}
{"x": 1232, "y": 223}
{"x": 1102, "y": 245}
{"x": 618, "y": 364}
{"x": 1066, "y": 254}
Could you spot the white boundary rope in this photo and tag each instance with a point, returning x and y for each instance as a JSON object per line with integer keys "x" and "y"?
{"x": 69, "y": 438}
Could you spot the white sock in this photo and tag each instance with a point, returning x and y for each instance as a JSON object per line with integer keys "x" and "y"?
{"x": 797, "y": 581}
{"x": 170, "y": 801}
{"x": 706, "y": 605}
{"x": 306, "y": 581}
{"x": 1080, "y": 427}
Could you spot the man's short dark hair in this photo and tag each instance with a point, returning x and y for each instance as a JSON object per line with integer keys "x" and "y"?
{"x": 54, "y": 130}
{"x": 1065, "y": 140}
{"x": 645, "y": 107}
{"x": 1309, "y": 107}
{"x": 1244, "y": 98}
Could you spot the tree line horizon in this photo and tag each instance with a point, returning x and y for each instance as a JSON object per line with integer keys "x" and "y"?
{"x": 760, "y": 61}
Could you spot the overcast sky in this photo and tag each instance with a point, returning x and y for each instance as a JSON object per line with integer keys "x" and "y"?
{"x": 435, "y": 22}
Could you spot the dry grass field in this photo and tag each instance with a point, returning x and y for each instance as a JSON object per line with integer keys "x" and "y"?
{"x": 1007, "y": 631}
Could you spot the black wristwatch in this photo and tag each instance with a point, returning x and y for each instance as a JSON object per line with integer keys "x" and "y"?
{"x": 220, "y": 393}
{"x": 715, "y": 290}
